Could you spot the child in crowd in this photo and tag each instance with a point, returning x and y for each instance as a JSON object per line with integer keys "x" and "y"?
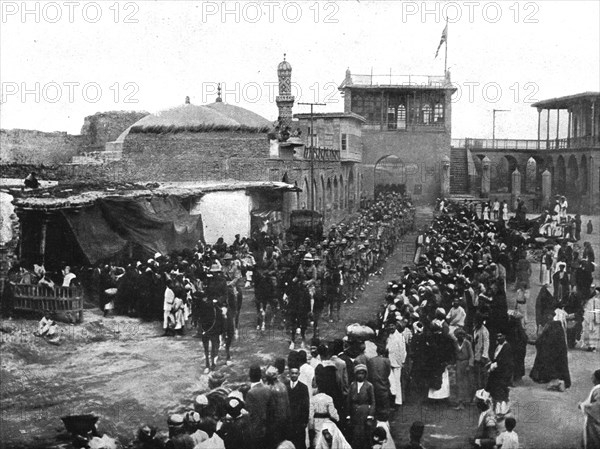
{"x": 509, "y": 438}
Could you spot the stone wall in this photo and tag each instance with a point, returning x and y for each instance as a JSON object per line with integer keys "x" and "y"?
{"x": 420, "y": 152}
{"x": 195, "y": 156}
{"x": 103, "y": 127}
{"x": 64, "y": 172}
{"x": 25, "y": 146}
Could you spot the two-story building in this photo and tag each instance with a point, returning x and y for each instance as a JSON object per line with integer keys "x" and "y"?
{"x": 333, "y": 136}
{"x": 406, "y": 134}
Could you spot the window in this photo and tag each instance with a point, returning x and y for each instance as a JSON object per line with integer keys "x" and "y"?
{"x": 438, "y": 113}
{"x": 401, "y": 121}
{"x": 344, "y": 142}
{"x": 328, "y": 140}
{"x": 426, "y": 115}
{"x": 315, "y": 138}
{"x": 358, "y": 104}
{"x": 391, "y": 117}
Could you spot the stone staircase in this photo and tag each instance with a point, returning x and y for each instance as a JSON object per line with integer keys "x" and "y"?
{"x": 459, "y": 171}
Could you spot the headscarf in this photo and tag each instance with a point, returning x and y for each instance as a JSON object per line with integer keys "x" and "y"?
{"x": 338, "y": 441}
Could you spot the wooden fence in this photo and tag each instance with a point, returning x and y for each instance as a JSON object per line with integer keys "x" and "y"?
{"x": 41, "y": 298}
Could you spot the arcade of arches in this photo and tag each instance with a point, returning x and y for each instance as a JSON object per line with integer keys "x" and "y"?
{"x": 568, "y": 174}
{"x": 335, "y": 194}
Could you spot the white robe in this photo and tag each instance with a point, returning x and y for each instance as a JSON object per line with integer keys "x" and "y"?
{"x": 444, "y": 391}
{"x": 396, "y": 346}
{"x": 591, "y": 322}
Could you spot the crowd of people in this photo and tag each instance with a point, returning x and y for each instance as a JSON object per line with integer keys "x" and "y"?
{"x": 444, "y": 322}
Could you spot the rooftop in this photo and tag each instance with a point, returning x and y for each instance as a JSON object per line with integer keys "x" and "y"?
{"x": 70, "y": 196}
{"x": 392, "y": 81}
{"x": 351, "y": 115}
{"x": 566, "y": 101}
{"x": 188, "y": 117}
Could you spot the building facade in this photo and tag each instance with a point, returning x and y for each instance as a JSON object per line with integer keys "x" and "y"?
{"x": 247, "y": 174}
{"x": 407, "y": 131}
{"x": 536, "y": 170}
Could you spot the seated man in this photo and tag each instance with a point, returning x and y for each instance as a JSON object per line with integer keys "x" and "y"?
{"x": 47, "y": 328}
{"x": 68, "y": 277}
{"x": 45, "y": 281}
{"x": 31, "y": 181}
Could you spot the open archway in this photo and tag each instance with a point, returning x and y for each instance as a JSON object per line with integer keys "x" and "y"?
{"x": 549, "y": 165}
{"x": 343, "y": 196}
{"x": 572, "y": 186}
{"x": 531, "y": 175}
{"x": 322, "y": 203}
{"x": 318, "y": 200}
{"x": 329, "y": 203}
{"x": 305, "y": 198}
{"x": 389, "y": 175}
{"x": 502, "y": 174}
{"x": 561, "y": 176}
{"x": 335, "y": 193}
{"x": 351, "y": 191}
{"x": 583, "y": 174}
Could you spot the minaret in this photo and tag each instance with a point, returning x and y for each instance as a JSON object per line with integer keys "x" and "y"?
{"x": 285, "y": 99}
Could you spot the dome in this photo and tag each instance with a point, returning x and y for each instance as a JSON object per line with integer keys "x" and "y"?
{"x": 244, "y": 117}
{"x": 196, "y": 118}
{"x": 284, "y": 66}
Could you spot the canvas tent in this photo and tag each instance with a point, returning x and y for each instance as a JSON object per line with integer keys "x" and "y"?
{"x": 156, "y": 224}
{"x": 95, "y": 224}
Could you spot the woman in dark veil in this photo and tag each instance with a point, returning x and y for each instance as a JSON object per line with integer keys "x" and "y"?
{"x": 517, "y": 339}
{"x": 551, "y": 360}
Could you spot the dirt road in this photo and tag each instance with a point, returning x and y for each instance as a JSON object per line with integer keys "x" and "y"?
{"x": 119, "y": 369}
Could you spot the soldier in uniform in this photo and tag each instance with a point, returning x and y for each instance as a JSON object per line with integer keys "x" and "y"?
{"x": 217, "y": 290}
{"x": 320, "y": 293}
{"x": 232, "y": 270}
{"x": 350, "y": 276}
{"x": 332, "y": 286}
{"x": 301, "y": 293}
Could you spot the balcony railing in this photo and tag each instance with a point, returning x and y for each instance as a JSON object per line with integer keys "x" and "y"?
{"x": 527, "y": 144}
{"x": 399, "y": 80}
{"x": 409, "y": 127}
{"x": 322, "y": 154}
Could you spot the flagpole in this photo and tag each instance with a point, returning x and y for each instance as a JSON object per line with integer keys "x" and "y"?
{"x": 446, "y": 51}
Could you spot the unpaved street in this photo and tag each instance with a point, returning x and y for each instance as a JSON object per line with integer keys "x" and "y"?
{"x": 121, "y": 370}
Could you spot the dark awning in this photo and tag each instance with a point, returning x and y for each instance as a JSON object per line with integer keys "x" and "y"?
{"x": 157, "y": 224}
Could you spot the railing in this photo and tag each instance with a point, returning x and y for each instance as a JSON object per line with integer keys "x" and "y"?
{"x": 322, "y": 154}
{"x": 54, "y": 299}
{"x": 409, "y": 127}
{"x": 399, "y": 80}
{"x": 526, "y": 144}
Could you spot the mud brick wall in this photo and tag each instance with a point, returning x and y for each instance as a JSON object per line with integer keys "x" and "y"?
{"x": 105, "y": 127}
{"x": 27, "y": 146}
{"x": 200, "y": 156}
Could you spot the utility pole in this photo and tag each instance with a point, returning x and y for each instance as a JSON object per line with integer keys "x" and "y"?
{"x": 494, "y": 125}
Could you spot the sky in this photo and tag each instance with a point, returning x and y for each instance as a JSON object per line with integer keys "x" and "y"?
{"x": 61, "y": 61}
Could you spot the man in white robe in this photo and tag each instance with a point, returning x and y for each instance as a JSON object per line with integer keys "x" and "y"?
{"x": 396, "y": 346}
{"x": 591, "y": 322}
